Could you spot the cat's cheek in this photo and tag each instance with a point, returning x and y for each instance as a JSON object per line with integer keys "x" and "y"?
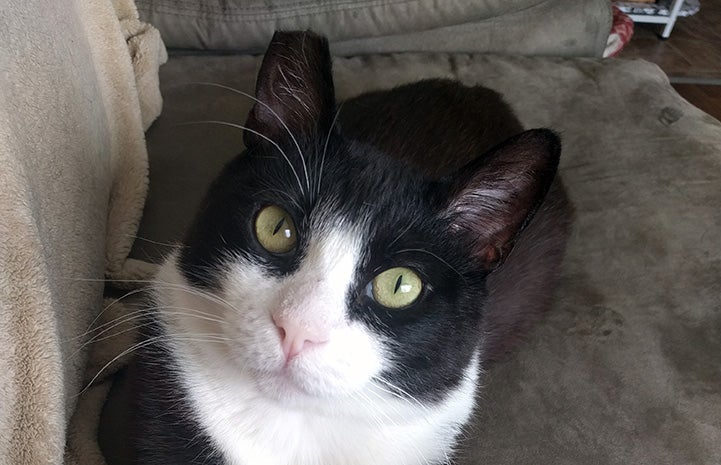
{"x": 248, "y": 326}
{"x": 254, "y": 346}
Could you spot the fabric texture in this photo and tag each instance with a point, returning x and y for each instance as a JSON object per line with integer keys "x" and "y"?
{"x": 528, "y": 27}
{"x": 73, "y": 179}
{"x": 624, "y": 368}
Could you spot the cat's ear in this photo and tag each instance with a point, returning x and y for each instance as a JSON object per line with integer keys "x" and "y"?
{"x": 494, "y": 197}
{"x": 294, "y": 89}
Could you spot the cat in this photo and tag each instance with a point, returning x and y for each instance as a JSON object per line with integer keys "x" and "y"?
{"x": 349, "y": 276}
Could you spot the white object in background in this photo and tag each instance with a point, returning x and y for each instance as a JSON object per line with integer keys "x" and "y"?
{"x": 669, "y": 20}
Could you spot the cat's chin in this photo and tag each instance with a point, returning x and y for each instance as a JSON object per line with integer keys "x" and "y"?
{"x": 282, "y": 386}
{"x": 293, "y": 384}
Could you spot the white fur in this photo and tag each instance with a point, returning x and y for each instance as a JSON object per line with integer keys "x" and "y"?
{"x": 322, "y": 407}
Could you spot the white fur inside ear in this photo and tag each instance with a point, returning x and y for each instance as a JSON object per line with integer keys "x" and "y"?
{"x": 324, "y": 407}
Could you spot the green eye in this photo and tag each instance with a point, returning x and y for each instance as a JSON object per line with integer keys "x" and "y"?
{"x": 396, "y": 287}
{"x": 275, "y": 230}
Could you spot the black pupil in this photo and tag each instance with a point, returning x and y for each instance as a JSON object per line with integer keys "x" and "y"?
{"x": 398, "y": 283}
{"x": 278, "y": 226}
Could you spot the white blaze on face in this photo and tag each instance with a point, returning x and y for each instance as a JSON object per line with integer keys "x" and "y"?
{"x": 313, "y": 299}
{"x": 338, "y": 355}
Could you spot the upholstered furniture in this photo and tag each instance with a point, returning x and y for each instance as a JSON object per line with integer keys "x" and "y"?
{"x": 625, "y": 367}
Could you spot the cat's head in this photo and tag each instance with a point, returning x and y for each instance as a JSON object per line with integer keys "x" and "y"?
{"x": 331, "y": 267}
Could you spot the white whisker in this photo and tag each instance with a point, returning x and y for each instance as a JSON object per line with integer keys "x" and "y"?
{"x": 114, "y": 302}
{"x": 398, "y": 392}
{"x": 325, "y": 149}
{"x": 252, "y": 131}
{"x": 267, "y": 107}
{"x": 138, "y": 314}
{"x": 405, "y": 230}
{"x": 432, "y": 255}
{"x": 203, "y": 338}
{"x": 166, "y": 244}
{"x": 155, "y": 285}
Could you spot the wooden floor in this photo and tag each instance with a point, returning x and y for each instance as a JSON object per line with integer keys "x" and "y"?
{"x": 705, "y": 97}
{"x": 691, "y": 56}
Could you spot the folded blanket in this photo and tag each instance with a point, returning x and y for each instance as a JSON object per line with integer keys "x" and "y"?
{"x": 79, "y": 86}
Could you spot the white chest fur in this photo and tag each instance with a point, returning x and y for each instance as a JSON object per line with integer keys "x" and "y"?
{"x": 369, "y": 428}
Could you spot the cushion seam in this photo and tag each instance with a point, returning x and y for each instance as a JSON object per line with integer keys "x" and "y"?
{"x": 172, "y": 8}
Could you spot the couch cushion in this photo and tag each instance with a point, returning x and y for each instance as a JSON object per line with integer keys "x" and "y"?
{"x": 532, "y": 27}
{"x": 625, "y": 367}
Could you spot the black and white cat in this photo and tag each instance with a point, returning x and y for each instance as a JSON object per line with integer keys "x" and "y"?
{"x": 349, "y": 275}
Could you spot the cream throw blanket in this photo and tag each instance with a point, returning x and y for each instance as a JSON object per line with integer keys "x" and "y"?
{"x": 78, "y": 85}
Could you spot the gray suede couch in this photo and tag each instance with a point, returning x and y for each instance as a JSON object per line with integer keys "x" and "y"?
{"x": 626, "y": 368}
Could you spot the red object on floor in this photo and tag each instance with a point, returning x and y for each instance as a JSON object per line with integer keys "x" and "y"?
{"x": 621, "y": 33}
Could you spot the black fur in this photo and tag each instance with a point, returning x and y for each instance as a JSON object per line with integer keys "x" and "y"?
{"x": 164, "y": 430}
{"x": 428, "y": 173}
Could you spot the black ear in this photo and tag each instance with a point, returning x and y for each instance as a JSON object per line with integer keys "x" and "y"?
{"x": 494, "y": 197}
{"x": 294, "y": 89}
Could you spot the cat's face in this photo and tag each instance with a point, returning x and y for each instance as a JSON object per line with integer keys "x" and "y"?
{"x": 334, "y": 271}
{"x": 351, "y": 279}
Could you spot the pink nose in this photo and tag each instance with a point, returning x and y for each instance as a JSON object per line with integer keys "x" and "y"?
{"x": 296, "y": 337}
